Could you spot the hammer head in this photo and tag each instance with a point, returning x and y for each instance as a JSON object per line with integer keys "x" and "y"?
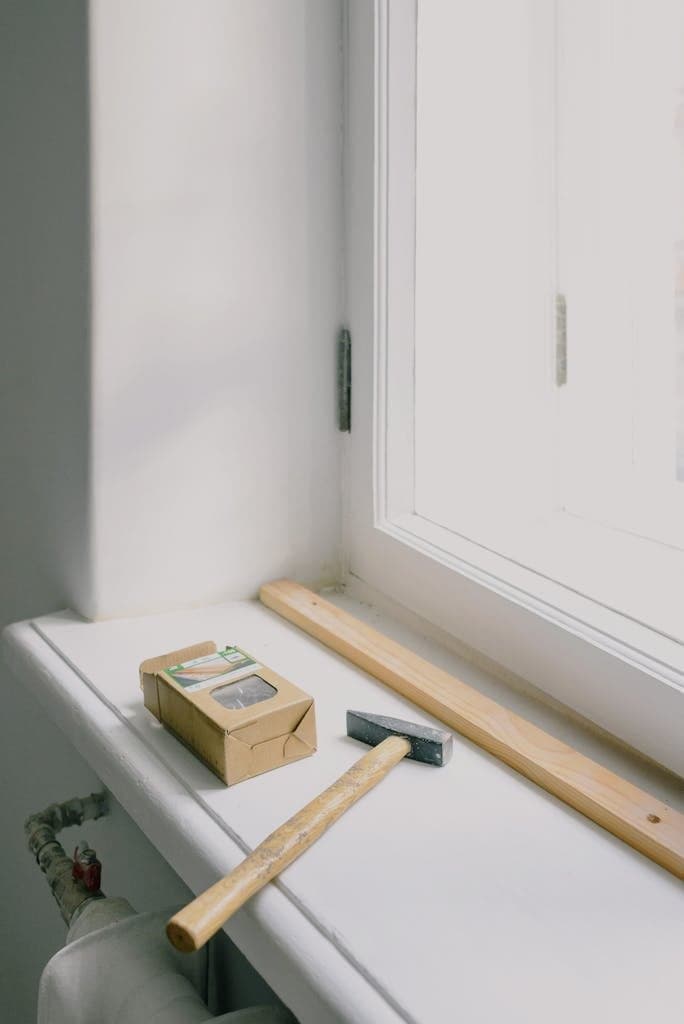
{"x": 432, "y": 746}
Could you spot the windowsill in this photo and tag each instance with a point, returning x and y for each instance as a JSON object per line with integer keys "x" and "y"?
{"x": 435, "y": 884}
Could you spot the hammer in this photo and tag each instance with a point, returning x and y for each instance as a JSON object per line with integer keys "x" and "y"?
{"x": 392, "y": 740}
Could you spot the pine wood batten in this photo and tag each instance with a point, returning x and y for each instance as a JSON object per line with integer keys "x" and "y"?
{"x": 639, "y": 819}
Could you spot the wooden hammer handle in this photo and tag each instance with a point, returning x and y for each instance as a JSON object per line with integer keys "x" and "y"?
{"x": 195, "y": 924}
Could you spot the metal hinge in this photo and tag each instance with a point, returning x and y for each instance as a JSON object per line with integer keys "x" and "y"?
{"x": 561, "y": 341}
{"x": 344, "y": 380}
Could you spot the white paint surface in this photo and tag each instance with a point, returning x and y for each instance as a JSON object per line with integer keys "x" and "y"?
{"x": 44, "y": 467}
{"x": 216, "y": 228}
{"x": 465, "y": 891}
{"x": 484, "y": 252}
{"x": 611, "y": 667}
{"x": 170, "y": 300}
{"x": 215, "y": 173}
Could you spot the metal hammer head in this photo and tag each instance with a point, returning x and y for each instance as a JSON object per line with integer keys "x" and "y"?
{"x": 432, "y": 746}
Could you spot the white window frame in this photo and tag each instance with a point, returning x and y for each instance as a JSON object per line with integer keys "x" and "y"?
{"x": 613, "y": 670}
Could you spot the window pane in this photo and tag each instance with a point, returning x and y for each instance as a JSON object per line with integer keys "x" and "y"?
{"x": 621, "y": 202}
{"x": 550, "y": 159}
{"x": 484, "y": 260}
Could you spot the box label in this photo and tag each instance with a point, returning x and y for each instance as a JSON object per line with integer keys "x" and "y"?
{"x": 224, "y": 666}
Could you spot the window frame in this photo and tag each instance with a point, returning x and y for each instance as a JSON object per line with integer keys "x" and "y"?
{"x": 612, "y": 670}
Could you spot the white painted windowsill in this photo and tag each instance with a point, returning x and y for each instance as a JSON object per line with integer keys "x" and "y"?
{"x": 464, "y": 893}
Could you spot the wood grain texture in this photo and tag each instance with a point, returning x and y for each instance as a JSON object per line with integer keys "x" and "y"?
{"x": 639, "y": 819}
{"x": 195, "y": 924}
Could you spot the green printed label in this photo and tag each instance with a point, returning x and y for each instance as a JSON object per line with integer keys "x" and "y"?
{"x": 211, "y": 669}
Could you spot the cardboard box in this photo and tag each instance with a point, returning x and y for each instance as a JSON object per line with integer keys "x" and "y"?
{"x": 240, "y": 717}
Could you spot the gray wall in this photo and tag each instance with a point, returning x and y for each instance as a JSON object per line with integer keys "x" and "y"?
{"x": 45, "y": 305}
{"x": 44, "y": 459}
{"x": 39, "y": 766}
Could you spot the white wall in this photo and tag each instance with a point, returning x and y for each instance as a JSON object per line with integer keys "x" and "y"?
{"x": 216, "y": 231}
{"x": 170, "y": 301}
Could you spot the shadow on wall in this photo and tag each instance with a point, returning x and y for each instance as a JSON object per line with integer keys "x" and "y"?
{"x": 45, "y": 307}
{"x": 44, "y": 427}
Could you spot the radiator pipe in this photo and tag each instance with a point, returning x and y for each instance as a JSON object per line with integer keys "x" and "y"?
{"x": 40, "y": 830}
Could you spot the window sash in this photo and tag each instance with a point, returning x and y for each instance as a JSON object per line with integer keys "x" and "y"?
{"x": 609, "y": 668}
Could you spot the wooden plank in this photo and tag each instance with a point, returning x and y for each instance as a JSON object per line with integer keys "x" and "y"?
{"x": 639, "y": 819}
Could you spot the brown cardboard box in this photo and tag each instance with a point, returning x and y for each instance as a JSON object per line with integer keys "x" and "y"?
{"x": 238, "y": 716}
